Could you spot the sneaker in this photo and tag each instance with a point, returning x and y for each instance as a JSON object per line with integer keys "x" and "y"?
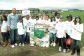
{"x": 31, "y": 45}
{"x": 51, "y": 44}
{"x": 12, "y": 46}
{"x": 23, "y": 44}
{"x": 72, "y": 53}
{"x": 15, "y": 44}
{"x": 19, "y": 44}
{"x": 68, "y": 50}
{"x": 60, "y": 49}
{"x": 54, "y": 44}
{"x": 64, "y": 50}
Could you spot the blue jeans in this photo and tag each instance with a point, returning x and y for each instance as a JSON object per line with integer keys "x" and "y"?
{"x": 52, "y": 37}
{"x": 76, "y": 46}
{"x": 13, "y": 35}
{"x": 22, "y": 38}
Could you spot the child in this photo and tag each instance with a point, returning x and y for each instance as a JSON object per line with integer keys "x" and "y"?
{"x": 76, "y": 35}
{"x": 21, "y": 32}
{"x": 60, "y": 29}
{"x": 4, "y": 32}
{"x": 52, "y": 34}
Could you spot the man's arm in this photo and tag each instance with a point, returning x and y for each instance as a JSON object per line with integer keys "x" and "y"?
{"x": 8, "y": 22}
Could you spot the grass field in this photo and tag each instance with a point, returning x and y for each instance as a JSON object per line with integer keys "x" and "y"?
{"x": 38, "y": 51}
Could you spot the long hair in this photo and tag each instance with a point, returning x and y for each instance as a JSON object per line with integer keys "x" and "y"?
{"x": 75, "y": 22}
{"x": 5, "y": 17}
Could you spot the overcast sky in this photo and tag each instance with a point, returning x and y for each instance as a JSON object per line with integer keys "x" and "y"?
{"x": 23, "y": 4}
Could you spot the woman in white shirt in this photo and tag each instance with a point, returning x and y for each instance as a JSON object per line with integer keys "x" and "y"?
{"x": 68, "y": 26}
{"x": 76, "y": 35}
{"x": 4, "y": 31}
{"x": 60, "y": 33}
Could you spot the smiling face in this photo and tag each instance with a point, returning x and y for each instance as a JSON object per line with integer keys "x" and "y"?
{"x": 77, "y": 19}
{"x": 27, "y": 17}
{"x": 46, "y": 17}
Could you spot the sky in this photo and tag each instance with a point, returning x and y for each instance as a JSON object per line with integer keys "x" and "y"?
{"x": 24, "y": 4}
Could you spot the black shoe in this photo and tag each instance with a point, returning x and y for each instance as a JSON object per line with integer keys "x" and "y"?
{"x": 78, "y": 51}
{"x": 72, "y": 53}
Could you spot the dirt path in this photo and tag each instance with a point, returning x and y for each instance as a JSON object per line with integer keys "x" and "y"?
{"x": 33, "y": 51}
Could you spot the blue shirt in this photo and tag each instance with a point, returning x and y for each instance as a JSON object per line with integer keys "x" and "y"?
{"x": 12, "y": 21}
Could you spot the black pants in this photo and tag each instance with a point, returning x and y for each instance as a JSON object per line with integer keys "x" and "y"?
{"x": 61, "y": 42}
{"x": 5, "y": 36}
{"x": 27, "y": 38}
{"x": 21, "y": 39}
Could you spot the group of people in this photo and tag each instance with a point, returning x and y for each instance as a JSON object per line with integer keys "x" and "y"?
{"x": 65, "y": 34}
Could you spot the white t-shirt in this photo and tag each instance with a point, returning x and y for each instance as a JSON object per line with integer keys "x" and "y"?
{"x": 20, "y": 28}
{"x": 77, "y": 31}
{"x": 46, "y": 22}
{"x": 4, "y": 26}
{"x": 52, "y": 28}
{"x": 60, "y": 28}
{"x": 26, "y": 24}
{"x": 68, "y": 26}
{"x": 57, "y": 19}
{"x": 32, "y": 23}
{"x": 40, "y": 21}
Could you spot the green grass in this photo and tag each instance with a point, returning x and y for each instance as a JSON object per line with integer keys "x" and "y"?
{"x": 38, "y": 51}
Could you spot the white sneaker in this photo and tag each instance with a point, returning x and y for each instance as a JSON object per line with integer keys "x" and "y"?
{"x": 51, "y": 44}
{"x": 64, "y": 50}
{"x": 54, "y": 44}
{"x": 23, "y": 44}
{"x": 31, "y": 45}
{"x": 19, "y": 44}
{"x": 60, "y": 49}
{"x": 12, "y": 46}
{"x": 15, "y": 44}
